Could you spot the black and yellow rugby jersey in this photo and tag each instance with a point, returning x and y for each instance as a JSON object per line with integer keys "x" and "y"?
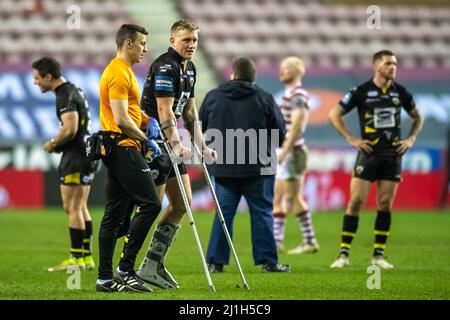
{"x": 69, "y": 98}
{"x": 168, "y": 77}
{"x": 379, "y": 113}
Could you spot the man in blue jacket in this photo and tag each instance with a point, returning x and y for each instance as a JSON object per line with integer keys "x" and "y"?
{"x": 248, "y": 126}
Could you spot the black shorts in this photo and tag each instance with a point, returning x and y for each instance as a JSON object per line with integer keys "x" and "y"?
{"x": 373, "y": 167}
{"x": 162, "y": 169}
{"x": 75, "y": 168}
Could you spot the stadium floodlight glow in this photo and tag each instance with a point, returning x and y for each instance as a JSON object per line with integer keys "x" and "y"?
{"x": 220, "y": 214}
{"x": 188, "y": 207}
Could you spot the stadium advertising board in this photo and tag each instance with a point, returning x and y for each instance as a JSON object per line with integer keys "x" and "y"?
{"x": 28, "y": 176}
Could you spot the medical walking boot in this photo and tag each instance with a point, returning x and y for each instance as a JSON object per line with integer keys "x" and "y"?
{"x": 152, "y": 269}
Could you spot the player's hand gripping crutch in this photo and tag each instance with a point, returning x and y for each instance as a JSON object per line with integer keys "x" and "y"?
{"x": 188, "y": 208}
{"x": 219, "y": 212}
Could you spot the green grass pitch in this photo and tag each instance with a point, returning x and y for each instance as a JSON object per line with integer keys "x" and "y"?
{"x": 419, "y": 247}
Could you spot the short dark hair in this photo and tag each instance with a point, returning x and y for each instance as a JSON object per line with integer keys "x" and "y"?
{"x": 128, "y": 31}
{"x": 380, "y": 54}
{"x": 244, "y": 69}
{"x": 48, "y": 65}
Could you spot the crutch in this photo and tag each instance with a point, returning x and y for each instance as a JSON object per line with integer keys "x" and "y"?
{"x": 221, "y": 218}
{"x": 188, "y": 208}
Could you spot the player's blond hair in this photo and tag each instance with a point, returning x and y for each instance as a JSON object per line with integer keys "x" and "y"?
{"x": 297, "y": 63}
{"x": 184, "y": 24}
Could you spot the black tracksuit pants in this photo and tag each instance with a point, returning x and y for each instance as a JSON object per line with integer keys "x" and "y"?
{"x": 129, "y": 180}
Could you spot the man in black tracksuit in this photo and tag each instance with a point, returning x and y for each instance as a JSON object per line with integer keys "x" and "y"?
{"x": 246, "y": 117}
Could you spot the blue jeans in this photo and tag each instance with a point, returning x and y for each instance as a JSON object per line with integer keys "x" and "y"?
{"x": 258, "y": 191}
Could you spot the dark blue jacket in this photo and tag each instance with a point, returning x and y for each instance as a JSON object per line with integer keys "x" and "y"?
{"x": 245, "y": 107}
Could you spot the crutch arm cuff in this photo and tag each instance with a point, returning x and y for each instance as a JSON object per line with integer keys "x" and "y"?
{"x": 168, "y": 123}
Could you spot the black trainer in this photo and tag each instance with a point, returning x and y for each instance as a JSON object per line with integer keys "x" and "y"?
{"x": 215, "y": 267}
{"x": 110, "y": 286}
{"x": 276, "y": 267}
{"x": 131, "y": 280}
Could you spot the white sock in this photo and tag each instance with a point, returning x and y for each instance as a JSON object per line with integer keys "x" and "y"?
{"x": 100, "y": 281}
{"x": 121, "y": 272}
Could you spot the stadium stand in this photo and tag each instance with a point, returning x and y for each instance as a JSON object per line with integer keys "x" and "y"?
{"x": 322, "y": 33}
{"x": 30, "y": 29}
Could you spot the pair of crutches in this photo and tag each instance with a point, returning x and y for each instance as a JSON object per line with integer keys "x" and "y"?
{"x": 173, "y": 160}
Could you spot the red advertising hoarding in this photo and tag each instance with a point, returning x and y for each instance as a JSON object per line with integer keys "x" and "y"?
{"x": 21, "y": 189}
{"x": 332, "y": 190}
{"x": 327, "y": 181}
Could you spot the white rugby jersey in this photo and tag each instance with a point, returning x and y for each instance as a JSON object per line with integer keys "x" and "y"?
{"x": 294, "y": 99}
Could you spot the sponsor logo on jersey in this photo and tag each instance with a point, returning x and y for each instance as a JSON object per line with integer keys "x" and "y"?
{"x": 384, "y": 117}
{"x": 163, "y": 83}
{"x": 190, "y": 73}
{"x": 347, "y": 98}
{"x": 86, "y": 179}
{"x": 388, "y": 135}
{"x": 359, "y": 169}
{"x": 368, "y": 100}
{"x": 393, "y": 94}
{"x": 155, "y": 173}
{"x": 165, "y": 68}
{"x": 88, "y": 148}
{"x": 181, "y": 103}
{"x": 64, "y": 109}
{"x": 396, "y": 101}
{"x": 191, "y": 81}
{"x": 372, "y": 93}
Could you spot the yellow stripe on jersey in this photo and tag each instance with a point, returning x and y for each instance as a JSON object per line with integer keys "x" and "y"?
{"x": 369, "y": 130}
{"x": 72, "y": 178}
{"x": 368, "y": 115}
{"x": 346, "y": 245}
{"x": 76, "y": 250}
{"x": 381, "y": 233}
{"x": 379, "y": 246}
{"x": 376, "y": 141}
{"x": 348, "y": 234}
{"x": 126, "y": 240}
